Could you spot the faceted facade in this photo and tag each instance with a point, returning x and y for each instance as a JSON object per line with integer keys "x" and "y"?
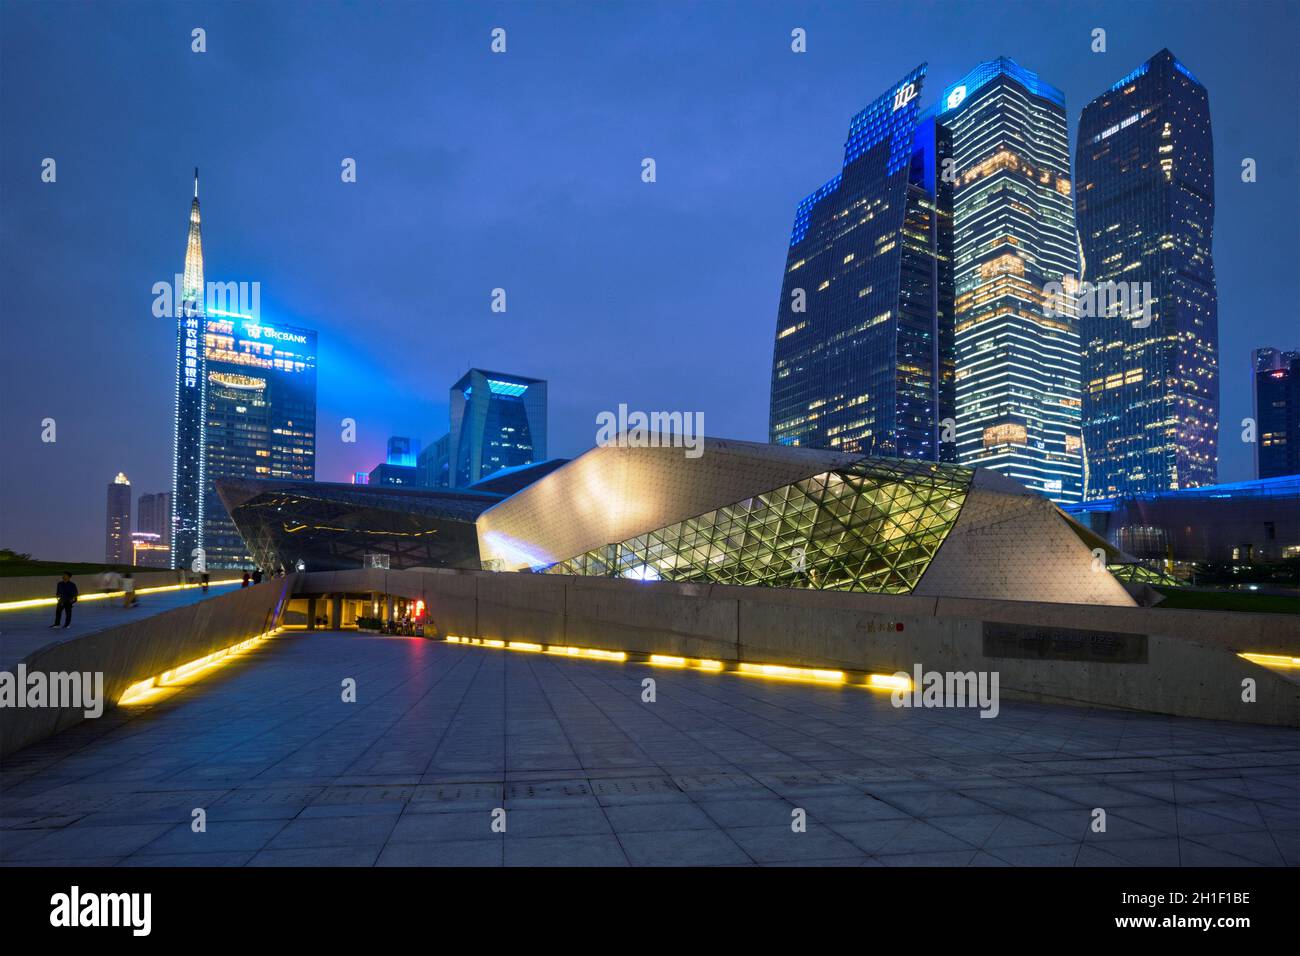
{"x": 777, "y": 516}
{"x": 1145, "y": 201}
{"x": 335, "y": 527}
{"x": 872, "y": 525}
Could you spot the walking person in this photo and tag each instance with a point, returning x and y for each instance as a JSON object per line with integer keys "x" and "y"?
{"x": 128, "y": 589}
{"x": 257, "y": 575}
{"x": 65, "y": 594}
{"x": 246, "y": 580}
{"x": 204, "y": 578}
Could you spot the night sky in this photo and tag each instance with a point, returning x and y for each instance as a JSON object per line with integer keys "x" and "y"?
{"x": 519, "y": 171}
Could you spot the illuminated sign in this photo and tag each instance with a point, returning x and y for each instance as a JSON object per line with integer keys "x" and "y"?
{"x": 191, "y": 351}
{"x": 955, "y": 97}
{"x": 906, "y": 93}
{"x": 258, "y": 331}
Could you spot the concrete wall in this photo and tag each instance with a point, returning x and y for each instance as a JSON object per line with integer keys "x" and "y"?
{"x": 42, "y": 586}
{"x": 1164, "y": 661}
{"x": 144, "y": 648}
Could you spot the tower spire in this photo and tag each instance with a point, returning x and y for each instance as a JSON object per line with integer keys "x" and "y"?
{"x": 192, "y": 290}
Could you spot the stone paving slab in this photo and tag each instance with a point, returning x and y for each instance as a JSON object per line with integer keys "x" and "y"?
{"x": 587, "y": 774}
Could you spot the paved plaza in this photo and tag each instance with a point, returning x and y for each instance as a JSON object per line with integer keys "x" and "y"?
{"x": 441, "y": 736}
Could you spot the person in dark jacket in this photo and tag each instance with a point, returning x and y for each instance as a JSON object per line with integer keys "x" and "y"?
{"x": 247, "y": 578}
{"x": 257, "y": 575}
{"x": 65, "y": 593}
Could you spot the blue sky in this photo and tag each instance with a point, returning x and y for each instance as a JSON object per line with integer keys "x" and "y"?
{"x": 519, "y": 171}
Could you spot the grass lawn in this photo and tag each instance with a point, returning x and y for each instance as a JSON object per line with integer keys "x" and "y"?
{"x": 1229, "y": 601}
{"x": 30, "y": 568}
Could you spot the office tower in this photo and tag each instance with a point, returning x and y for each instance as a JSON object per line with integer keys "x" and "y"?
{"x": 190, "y": 405}
{"x": 401, "y": 468}
{"x": 1017, "y": 357}
{"x": 245, "y": 407}
{"x": 1145, "y": 200}
{"x": 117, "y": 526}
{"x": 1277, "y": 412}
{"x": 434, "y": 463}
{"x": 154, "y": 516}
{"x": 497, "y": 421}
{"x": 863, "y": 357}
{"x": 148, "y": 551}
{"x": 261, "y": 421}
{"x": 402, "y": 451}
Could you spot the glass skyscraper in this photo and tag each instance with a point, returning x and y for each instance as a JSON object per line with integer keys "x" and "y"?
{"x": 1277, "y": 412}
{"x": 1145, "y": 202}
{"x": 245, "y": 406}
{"x": 261, "y": 416}
{"x": 117, "y": 522}
{"x": 497, "y": 421}
{"x": 862, "y": 357}
{"x": 190, "y": 412}
{"x": 1017, "y": 357}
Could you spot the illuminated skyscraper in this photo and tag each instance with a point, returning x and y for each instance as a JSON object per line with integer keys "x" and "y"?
{"x": 261, "y": 418}
{"x": 1277, "y": 412}
{"x": 863, "y": 357}
{"x": 190, "y": 412}
{"x": 245, "y": 408}
{"x": 497, "y": 421}
{"x": 1145, "y": 165}
{"x": 1017, "y": 375}
{"x": 117, "y": 525}
{"x": 153, "y": 515}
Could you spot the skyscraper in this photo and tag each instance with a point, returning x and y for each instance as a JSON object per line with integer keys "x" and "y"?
{"x": 862, "y": 357}
{"x": 434, "y": 462}
{"x": 117, "y": 525}
{"x": 245, "y": 407}
{"x": 190, "y": 412}
{"x": 1277, "y": 412}
{"x": 1017, "y": 358}
{"x": 400, "y": 467}
{"x": 261, "y": 421}
{"x": 1145, "y": 200}
{"x": 497, "y": 421}
{"x": 154, "y": 516}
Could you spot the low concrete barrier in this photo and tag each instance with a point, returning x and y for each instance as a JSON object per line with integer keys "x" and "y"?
{"x": 1178, "y": 662}
{"x": 129, "y": 653}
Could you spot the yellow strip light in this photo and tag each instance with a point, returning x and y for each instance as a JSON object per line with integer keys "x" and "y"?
{"x": 888, "y": 682}
{"x": 101, "y": 596}
{"x": 778, "y": 671}
{"x": 664, "y": 660}
{"x": 1272, "y": 660}
{"x": 151, "y": 689}
{"x": 791, "y": 673}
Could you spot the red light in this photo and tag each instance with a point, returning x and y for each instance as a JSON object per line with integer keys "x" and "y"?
{"x": 419, "y": 609}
